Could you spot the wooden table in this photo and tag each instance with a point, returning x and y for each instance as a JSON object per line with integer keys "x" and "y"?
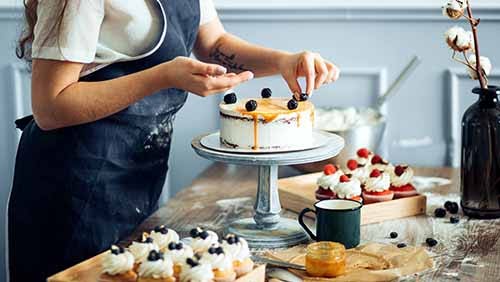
{"x": 469, "y": 251}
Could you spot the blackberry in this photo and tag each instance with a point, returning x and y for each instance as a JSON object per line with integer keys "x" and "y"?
{"x": 440, "y": 212}
{"x": 431, "y": 242}
{"x": 266, "y": 93}
{"x": 292, "y": 104}
{"x": 454, "y": 219}
{"x": 393, "y": 235}
{"x": 251, "y": 105}
{"x": 230, "y": 98}
{"x": 304, "y": 97}
{"x": 401, "y": 245}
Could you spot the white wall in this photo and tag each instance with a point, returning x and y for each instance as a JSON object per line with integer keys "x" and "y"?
{"x": 370, "y": 40}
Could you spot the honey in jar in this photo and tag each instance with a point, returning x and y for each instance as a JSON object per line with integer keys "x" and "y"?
{"x": 325, "y": 259}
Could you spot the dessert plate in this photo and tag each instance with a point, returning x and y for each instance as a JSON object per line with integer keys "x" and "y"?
{"x": 212, "y": 141}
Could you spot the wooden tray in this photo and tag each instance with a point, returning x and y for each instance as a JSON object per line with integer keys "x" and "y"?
{"x": 297, "y": 193}
{"x": 90, "y": 270}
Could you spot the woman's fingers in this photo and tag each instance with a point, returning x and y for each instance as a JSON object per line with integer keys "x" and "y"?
{"x": 206, "y": 69}
{"x": 293, "y": 84}
{"x": 333, "y": 72}
{"x": 307, "y": 65}
{"x": 321, "y": 71}
{"x": 216, "y": 84}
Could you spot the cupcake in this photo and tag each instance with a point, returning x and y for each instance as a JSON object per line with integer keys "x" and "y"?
{"x": 364, "y": 156}
{"x": 381, "y": 164}
{"x": 327, "y": 181}
{"x": 156, "y": 268}
{"x": 162, "y": 236}
{"x": 201, "y": 239}
{"x": 194, "y": 271}
{"x": 178, "y": 252}
{"x": 357, "y": 170}
{"x": 117, "y": 265}
{"x": 401, "y": 177}
{"x": 237, "y": 248}
{"x": 348, "y": 188}
{"x": 222, "y": 264}
{"x": 376, "y": 187}
{"x": 141, "y": 249}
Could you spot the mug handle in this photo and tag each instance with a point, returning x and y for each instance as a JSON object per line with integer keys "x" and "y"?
{"x": 306, "y": 228}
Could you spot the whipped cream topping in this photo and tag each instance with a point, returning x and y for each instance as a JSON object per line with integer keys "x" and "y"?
{"x": 200, "y": 245}
{"x": 402, "y": 179}
{"x": 364, "y": 161}
{"x": 238, "y": 251}
{"x": 161, "y": 268}
{"x": 140, "y": 250}
{"x": 329, "y": 181}
{"x": 361, "y": 173}
{"x": 220, "y": 261}
{"x": 378, "y": 184}
{"x": 179, "y": 256}
{"x": 348, "y": 190}
{"x": 199, "y": 273}
{"x": 114, "y": 264}
{"x": 163, "y": 239}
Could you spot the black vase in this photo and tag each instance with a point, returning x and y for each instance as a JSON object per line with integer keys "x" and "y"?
{"x": 480, "y": 170}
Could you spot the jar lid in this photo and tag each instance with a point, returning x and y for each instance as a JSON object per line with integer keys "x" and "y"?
{"x": 492, "y": 90}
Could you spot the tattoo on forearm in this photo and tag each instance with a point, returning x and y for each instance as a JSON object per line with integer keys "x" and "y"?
{"x": 227, "y": 60}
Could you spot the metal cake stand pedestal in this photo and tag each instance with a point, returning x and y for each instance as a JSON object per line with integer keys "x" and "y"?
{"x": 267, "y": 229}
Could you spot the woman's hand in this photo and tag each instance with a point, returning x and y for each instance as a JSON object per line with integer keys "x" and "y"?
{"x": 200, "y": 78}
{"x": 312, "y": 66}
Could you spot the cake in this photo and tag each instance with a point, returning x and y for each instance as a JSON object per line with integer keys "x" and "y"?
{"x": 221, "y": 263}
{"x": 266, "y": 123}
{"x": 377, "y": 186}
{"x": 401, "y": 177}
{"x": 348, "y": 188}
{"x": 117, "y": 265}
{"x": 237, "y": 248}
{"x": 327, "y": 181}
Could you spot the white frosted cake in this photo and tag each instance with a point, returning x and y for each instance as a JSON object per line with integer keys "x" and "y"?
{"x": 271, "y": 125}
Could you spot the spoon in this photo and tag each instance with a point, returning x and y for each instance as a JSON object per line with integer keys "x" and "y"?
{"x": 278, "y": 263}
{"x": 409, "y": 69}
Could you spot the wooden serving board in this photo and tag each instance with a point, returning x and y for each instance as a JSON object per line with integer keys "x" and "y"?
{"x": 90, "y": 270}
{"x": 298, "y": 192}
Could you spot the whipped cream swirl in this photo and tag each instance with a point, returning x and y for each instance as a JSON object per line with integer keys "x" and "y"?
{"x": 348, "y": 190}
{"x": 114, "y": 264}
{"x": 378, "y": 184}
{"x": 140, "y": 250}
{"x": 162, "y": 239}
{"x": 179, "y": 256}
{"x": 361, "y": 173}
{"x": 402, "y": 179}
{"x": 238, "y": 251}
{"x": 199, "y": 273}
{"x": 217, "y": 261}
{"x": 329, "y": 181}
{"x": 200, "y": 245}
{"x": 161, "y": 268}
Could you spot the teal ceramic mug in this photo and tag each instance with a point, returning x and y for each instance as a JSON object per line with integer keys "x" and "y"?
{"x": 337, "y": 220}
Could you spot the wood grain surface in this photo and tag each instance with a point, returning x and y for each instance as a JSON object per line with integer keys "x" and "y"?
{"x": 467, "y": 251}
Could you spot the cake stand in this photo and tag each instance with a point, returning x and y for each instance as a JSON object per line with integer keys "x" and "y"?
{"x": 267, "y": 229}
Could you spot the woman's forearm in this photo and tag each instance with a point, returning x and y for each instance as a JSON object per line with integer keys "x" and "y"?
{"x": 83, "y": 102}
{"x": 237, "y": 55}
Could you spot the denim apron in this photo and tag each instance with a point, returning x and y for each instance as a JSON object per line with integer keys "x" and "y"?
{"x": 79, "y": 189}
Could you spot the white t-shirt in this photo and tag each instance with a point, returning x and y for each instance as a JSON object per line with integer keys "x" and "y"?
{"x": 100, "y": 32}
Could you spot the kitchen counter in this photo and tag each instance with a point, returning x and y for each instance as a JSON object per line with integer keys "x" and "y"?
{"x": 469, "y": 250}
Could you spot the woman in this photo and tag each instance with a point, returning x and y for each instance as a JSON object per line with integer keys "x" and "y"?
{"x": 108, "y": 78}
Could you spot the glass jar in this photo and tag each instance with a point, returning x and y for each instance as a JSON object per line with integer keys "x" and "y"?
{"x": 480, "y": 169}
{"x": 325, "y": 259}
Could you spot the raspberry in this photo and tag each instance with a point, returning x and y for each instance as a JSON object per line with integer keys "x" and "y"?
{"x": 352, "y": 164}
{"x": 363, "y": 153}
{"x": 375, "y": 173}
{"x": 344, "y": 178}
{"x": 329, "y": 169}
{"x": 399, "y": 170}
{"x": 376, "y": 159}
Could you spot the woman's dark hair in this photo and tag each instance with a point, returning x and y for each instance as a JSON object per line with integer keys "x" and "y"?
{"x": 23, "y": 50}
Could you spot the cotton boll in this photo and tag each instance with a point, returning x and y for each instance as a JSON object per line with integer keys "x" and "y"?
{"x": 454, "y": 9}
{"x": 485, "y": 65}
{"x": 458, "y": 39}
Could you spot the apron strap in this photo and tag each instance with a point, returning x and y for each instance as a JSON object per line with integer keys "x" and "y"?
{"x": 23, "y": 122}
